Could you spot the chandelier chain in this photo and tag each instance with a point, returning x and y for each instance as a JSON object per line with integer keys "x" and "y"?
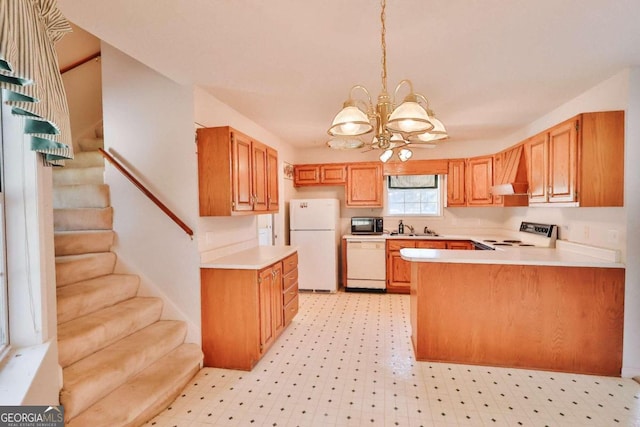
{"x": 395, "y": 127}
{"x": 383, "y": 3}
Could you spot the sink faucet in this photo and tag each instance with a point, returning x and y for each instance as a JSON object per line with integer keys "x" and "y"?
{"x": 410, "y": 228}
{"x": 426, "y": 230}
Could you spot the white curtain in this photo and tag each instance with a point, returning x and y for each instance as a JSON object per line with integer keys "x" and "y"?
{"x": 29, "y": 73}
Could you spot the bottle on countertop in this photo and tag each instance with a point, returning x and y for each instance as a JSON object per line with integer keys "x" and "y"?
{"x": 401, "y": 228}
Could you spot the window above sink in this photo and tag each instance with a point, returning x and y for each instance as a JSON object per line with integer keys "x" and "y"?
{"x": 419, "y": 195}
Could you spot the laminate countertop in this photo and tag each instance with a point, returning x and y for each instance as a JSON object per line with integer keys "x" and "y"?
{"x": 254, "y": 258}
{"x": 565, "y": 254}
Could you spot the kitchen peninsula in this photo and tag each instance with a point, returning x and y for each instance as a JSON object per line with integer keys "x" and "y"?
{"x": 553, "y": 309}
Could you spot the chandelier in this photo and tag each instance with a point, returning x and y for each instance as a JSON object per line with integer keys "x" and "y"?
{"x": 395, "y": 128}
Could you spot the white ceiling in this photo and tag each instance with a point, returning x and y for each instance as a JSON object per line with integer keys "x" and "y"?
{"x": 488, "y": 67}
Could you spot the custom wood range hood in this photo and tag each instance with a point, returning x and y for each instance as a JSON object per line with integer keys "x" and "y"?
{"x": 511, "y": 177}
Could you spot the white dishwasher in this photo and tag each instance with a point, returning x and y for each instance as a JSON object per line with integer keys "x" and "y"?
{"x": 366, "y": 264}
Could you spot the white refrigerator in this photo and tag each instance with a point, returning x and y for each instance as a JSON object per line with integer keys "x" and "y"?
{"x": 314, "y": 226}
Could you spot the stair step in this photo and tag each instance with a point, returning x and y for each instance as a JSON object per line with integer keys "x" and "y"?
{"x": 92, "y": 378}
{"x": 146, "y": 394}
{"x": 87, "y": 334}
{"x": 74, "y": 268}
{"x": 83, "y": 219}
{"x": 82, "y": 298}
{"x": 81, "y": 196}
{"x": 85, "y": 159}
{"x": 82, "y": 241}
{"x": 90, "y": 144}
{"x": 70, "y": 176}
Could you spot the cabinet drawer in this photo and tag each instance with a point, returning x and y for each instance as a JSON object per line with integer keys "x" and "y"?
{"x": 432, "y": 244}
{"x": 289, "y": 263}
{"x": 290, "y": 293}
{"x": 290, "y": 278}
{"x": 396, "y": 245}
{"x": 460, "y": 245}
{"x": 290, "y": 310}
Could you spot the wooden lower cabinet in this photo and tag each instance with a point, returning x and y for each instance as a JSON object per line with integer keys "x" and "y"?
{"x": 244, "y": 311}
{"x": 557, "y": 318}
{"x": 399, "y": 270}
{"x": 465, "y": 245}
{"x": 290, "y": 288}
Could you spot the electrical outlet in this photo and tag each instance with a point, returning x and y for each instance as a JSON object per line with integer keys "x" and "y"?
{"x": 612, "y": 236}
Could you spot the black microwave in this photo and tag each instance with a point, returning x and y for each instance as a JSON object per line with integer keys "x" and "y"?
{"x": 366, "y": 225}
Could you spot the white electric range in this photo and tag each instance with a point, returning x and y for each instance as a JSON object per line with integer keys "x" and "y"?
{"x": 531, "y": 234}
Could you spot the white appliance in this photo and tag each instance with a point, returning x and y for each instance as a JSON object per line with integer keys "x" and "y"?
{"x": 530, "y": 234}
{"x": 315, "y": 230}
{"x": 366, "y": 264}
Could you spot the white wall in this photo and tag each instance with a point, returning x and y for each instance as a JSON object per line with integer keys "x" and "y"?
{"x": 222, "y": 235}
{"x": 83, "y": 86}
{"x": 631, "y": 361}
{"x": 148, "y": 125}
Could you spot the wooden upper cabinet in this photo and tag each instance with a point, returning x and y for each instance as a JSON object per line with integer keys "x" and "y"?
{"x": 306, "y": 175}
{"x": 479, "y": 177}
{"x": 364, "y": 184}
{"x": 234, "y": 173}
{"x": 320, "y": 174}
{"x": 333, "y": 174}
{"x": 273, "y": 199}
{"x": 579, "y": 162}
{"x": 601, "y": 159}
{"x": 499, "y": 161}
{"x": 537, "y": 150}
{"x": 456, "y": 194}
{"x": 242, "y": 176}
{"x": 260, "y": 177}
{"x": 563, "y": 162}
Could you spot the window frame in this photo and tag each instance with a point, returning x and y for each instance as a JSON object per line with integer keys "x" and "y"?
{"x": 441, "y": 200}
{"x": 5, "y": 338}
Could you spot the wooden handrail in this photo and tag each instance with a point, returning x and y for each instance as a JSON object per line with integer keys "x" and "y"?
{"x": 80, "y": 62}
{"x": 146, "y": 192}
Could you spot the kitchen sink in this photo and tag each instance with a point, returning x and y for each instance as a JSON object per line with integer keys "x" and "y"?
{"x": 416, "y": 235}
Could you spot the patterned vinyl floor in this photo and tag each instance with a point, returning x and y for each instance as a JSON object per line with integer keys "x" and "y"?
{"x": 346, "y": 360}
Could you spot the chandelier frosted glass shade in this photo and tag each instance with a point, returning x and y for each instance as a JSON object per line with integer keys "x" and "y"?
{"x": 409, "y": 117}
{"x": 350, "y": 121}
{"x": 427, "y": 137}
{"x": 438, "y": 132}
{"x": 345, "y": 143}
{"x": 405, "y": 154}
{"x": 386, "y": 155}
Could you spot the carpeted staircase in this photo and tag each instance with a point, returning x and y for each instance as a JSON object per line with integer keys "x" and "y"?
{"x": 121, "y": 364}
